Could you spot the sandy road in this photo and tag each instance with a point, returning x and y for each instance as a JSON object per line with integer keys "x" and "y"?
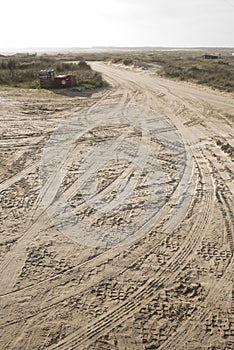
{"x": 168, "y": 288}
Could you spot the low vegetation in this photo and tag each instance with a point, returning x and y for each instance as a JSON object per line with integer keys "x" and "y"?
{"x": 186, "y": 65}
{"x": 23, "y": 71}
{"x": 216, "y": 73}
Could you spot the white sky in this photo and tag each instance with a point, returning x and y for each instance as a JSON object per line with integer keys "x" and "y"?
{"x": 87, "y": 23}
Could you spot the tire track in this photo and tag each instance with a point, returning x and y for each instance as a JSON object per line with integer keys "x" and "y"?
{"x": 116, "y": 316}
{"x": 96, "y": 261}
{"x": 13, "y": 262}
{"x": 17, "y": 177}
{"x": 185, "y": 332}
{"x": 24, "y": 240}
{"x": 164, "y": 214}
{"x": 84, "y": 337}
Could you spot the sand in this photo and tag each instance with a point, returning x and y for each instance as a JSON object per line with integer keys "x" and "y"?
{"x": 117, "y": 216}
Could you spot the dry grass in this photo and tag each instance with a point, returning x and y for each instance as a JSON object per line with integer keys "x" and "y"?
{"x": 23, "y": 71}
{"x": 187, "y": 66}
{"x": 217, "y": 73}
{"x": 175, "y": 64}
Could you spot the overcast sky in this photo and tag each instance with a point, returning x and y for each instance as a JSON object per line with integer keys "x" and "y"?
{"x": 88, "y": 23}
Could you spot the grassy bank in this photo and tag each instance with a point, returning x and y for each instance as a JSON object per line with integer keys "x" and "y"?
{"x": 23, "y": 71}
{"x": 216, "y": 73}
{"x": 186, "y": 66}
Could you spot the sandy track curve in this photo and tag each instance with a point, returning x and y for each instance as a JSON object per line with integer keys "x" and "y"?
{"x": 58, "y": 282}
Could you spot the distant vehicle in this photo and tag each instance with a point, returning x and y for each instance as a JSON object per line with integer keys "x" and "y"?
{"x": 211, "y": 57}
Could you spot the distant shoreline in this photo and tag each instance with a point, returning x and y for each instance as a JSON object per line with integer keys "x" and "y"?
{"x": 47, "y": 50}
